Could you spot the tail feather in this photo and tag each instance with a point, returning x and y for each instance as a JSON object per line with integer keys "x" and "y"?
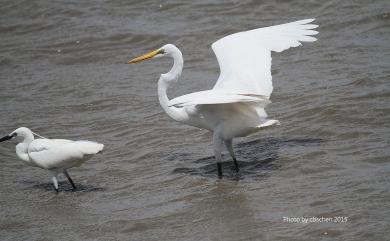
{"x": 89, "y": 147}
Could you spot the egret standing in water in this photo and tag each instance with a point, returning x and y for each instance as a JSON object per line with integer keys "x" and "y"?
{"x": 55, "y": 155}
{"x": 235, "y": 106}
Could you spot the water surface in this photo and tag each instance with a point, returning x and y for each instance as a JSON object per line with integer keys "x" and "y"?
{"x": 63, "y": 74}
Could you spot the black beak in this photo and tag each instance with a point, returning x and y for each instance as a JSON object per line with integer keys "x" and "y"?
{"x": 8, "y": 137}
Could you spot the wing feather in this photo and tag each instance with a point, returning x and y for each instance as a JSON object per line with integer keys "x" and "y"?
{"x": 245, "y": 58}
{"x": 214, "y": 97}
{"x": 59, "y": 153}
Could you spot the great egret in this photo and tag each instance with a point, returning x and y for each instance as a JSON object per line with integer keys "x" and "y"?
{"x": 235, "y": 106}
{"x": 55, "y": 155}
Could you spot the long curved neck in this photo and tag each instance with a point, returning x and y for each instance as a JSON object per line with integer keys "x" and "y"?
{"x": 177, "y": 114}
{"x": 22, "y": 147}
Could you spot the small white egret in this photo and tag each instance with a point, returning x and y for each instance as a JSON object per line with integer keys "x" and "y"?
{"x": 235, "y": 106}
{"x": 55, "y": 155}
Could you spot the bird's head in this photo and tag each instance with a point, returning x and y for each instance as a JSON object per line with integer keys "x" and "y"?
{"x": 22, "y": 132}
{"x": 166, "y": 50}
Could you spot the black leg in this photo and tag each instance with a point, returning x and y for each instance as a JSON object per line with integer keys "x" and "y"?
{"x": 229, "y": 147}
{"x": 236, "y": 164}
{"x": 70, "y": 179}
{"x": 219, "y": 166}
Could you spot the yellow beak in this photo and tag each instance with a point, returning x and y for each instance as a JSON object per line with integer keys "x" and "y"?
{"x": 146, "y": 56}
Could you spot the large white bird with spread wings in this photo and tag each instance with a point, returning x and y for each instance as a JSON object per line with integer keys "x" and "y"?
{"x": 235, "y": 106}
{"x": 55, "y": 155}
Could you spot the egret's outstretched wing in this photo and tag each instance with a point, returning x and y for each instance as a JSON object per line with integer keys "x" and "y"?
{"x": 59, "y": 153}
{"x": 245, "y": 58}
{"x": 214, "y": 97}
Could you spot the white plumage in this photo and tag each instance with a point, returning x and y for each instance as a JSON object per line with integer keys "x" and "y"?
{"x": 55, "y": 155}
{"x": 214, "y": 97}
{"x": 235, "y": 106}
{"x": 61, "y": 154}
{"x": 245, "y": 58}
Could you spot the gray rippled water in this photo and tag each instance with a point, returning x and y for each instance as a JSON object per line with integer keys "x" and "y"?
{"x": 63, "y": 74}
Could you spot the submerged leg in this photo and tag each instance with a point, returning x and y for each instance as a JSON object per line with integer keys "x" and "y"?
{"x": 70, "y": 179}
{"x": 217, "y": 142}
{"x": 229, "y": 147}
{"x": 55, "y": 182}
{"x": 219, "y": 168}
